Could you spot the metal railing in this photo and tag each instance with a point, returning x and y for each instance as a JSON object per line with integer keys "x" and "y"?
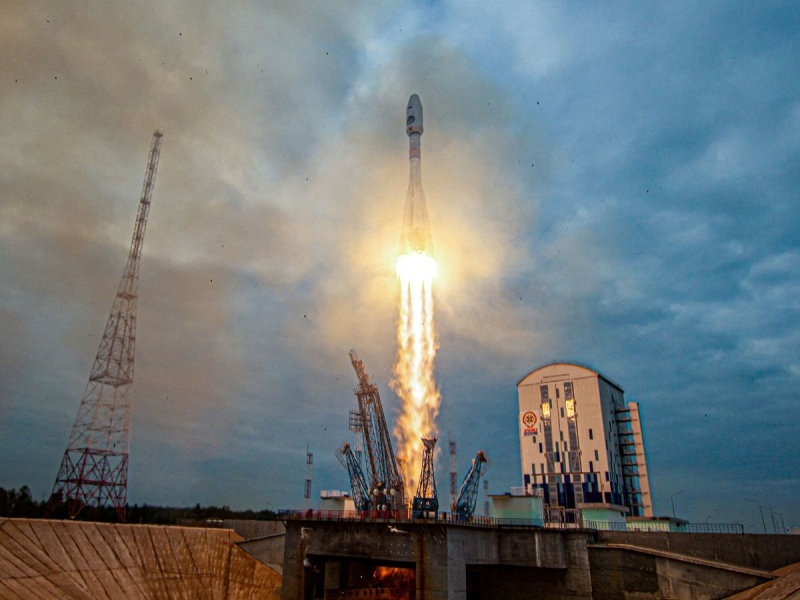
{"x": 665, "y": 526}
{"x": 405, "y": 516}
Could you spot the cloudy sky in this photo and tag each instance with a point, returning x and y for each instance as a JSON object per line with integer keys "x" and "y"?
{"x": 614, "y": 184}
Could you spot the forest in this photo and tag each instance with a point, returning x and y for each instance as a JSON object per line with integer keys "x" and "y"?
{"x": 21, "y": 504}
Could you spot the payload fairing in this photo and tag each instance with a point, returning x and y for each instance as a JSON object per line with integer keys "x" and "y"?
{"x": 416, "y": 233}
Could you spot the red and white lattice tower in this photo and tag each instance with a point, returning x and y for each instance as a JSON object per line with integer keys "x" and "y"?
{"x": 94, "y": 470}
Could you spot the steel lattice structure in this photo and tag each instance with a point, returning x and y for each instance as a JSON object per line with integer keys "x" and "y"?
{"x": 358, "y": 483}
{"x": 382, "y": 464}
{"x": 468, "y": 495}
{"x": 94, "y": 469}
{"x": 426, "y": 500}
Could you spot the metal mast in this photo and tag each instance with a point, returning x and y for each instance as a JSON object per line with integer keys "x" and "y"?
{"x": 383, "y": 470}
{"x": 94, "y": 469}
{"x": 307, "y": 486}
{"x": 426, "y": 501}
{"x": 453, "y": 474}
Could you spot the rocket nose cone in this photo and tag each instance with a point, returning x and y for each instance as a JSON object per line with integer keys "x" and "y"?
{"x": 414, "y": 115}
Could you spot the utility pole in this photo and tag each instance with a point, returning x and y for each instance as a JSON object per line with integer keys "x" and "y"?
{"x": 94, "y": 469}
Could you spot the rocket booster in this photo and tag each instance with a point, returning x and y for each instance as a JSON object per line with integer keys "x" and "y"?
{"x": 416, "y": 233}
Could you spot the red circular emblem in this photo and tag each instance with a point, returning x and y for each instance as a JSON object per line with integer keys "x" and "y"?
{"x": 529, "y": 419}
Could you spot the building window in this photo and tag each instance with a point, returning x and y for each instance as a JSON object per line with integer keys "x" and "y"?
{"x": 540, "y": 448}
{"x": 558, "y": 393}
{"x": 561, "y": 433}
{"x": 562, "y": 412}
{"x": 566, "y": 446}
{"x": 607, "y": 476}
{"x": 542, "y": 467}
{"x": 596, "y": 455}
{"x": 591, "y": 434}
{"x": 557, "y": 456}
{"x": 591, "y": 467}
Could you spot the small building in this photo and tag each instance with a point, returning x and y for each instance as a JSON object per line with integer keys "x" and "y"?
{"x": 525, "y": 509}
{"x": 581, "y": 444}
{"x": 604, "y": 516}
{"x": 335, "y": 500}
{"x": 657, "y": 524}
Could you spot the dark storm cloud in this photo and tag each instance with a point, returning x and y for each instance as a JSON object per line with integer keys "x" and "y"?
{"x": 615, "y": 185}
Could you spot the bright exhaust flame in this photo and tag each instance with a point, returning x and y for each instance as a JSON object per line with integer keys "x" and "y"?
{"x": 413, "y": 372}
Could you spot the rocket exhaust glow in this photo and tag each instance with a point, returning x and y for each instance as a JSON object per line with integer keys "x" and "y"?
{"x": 414, "y": 380}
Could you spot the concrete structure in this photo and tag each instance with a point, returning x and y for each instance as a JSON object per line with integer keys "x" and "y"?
{"x": 329, "y": 556}
{"x": 335, "y": 500}
{"x": 581, "y": 443}
{"x": 339, "y": 559}
{"x": 72, "y": 559}
{"x": 326, "y": 558}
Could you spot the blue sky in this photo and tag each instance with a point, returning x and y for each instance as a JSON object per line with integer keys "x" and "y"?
{"x": 614, "y": 184}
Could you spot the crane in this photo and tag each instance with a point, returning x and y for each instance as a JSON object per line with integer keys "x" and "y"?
{"x": 385, "y": 481}
{"x": 468, "y": 495}
{"x": 358, "y": 484}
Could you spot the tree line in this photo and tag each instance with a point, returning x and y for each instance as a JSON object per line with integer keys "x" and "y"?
{"x": 21, "y": 504}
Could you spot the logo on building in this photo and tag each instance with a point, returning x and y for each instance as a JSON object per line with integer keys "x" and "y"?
{"x": 529, "y": 421}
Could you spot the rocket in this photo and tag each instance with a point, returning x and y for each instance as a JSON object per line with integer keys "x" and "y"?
{"x": 416, "y": 232}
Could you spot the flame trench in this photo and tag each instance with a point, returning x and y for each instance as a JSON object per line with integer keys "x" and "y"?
{"x": 414, "y": 380}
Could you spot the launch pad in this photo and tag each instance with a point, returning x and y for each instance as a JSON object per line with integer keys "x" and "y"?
{"x": 329, "y": 558}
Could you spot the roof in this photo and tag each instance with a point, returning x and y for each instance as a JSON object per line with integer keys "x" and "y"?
{"x": 573, "y": 364}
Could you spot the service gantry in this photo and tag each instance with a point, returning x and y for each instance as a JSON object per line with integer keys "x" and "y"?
{"x": 383, "y": 472}
{"x": 426, "y": 501}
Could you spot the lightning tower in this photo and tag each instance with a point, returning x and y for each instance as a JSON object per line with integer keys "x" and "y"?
{"x": 94, "y": 469}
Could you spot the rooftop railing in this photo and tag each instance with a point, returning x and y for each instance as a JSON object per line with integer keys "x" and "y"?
{"x": 405, "y": 516}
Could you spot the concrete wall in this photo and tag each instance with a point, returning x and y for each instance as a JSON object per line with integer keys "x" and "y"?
{"x": 250, "y": 529}
{"x": 620, "y": 574}
{"x": 767, "y": 552}
{"x": 268, "y": 550}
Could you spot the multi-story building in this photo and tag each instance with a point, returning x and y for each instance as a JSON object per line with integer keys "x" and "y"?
{"x": 581, "y": 443}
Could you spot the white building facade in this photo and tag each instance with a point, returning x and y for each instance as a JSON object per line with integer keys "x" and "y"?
{"x": 581, "y": 443}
